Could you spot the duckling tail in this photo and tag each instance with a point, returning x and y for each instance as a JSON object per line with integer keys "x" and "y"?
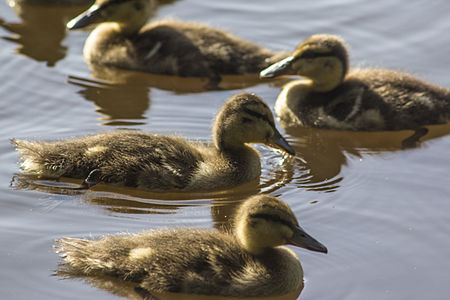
{"x": 73, "y": 251}
{"x": 42, "y": 158}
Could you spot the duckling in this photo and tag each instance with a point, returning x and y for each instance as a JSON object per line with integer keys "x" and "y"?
{"x": 247, "y": 262}
{"x": 159, "y": 162}
{"x": 164, "y": 47}
{"x": 359, "y": 99}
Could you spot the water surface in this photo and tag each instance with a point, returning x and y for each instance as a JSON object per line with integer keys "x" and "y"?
{"x": 383, "y": 212}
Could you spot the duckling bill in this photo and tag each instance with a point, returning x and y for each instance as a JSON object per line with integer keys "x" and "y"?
{"x": 159, "y": 162}
{"x": 167, "y": 47}
{"x": 337, "y": 97}
{"x": 248, "y": 262}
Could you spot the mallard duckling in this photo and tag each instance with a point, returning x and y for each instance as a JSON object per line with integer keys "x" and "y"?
{"x": 164, "y": 47}
{"x": 359, "y": 99}
{"x": 248, "y": 262}
{"x": 160, "y": 162}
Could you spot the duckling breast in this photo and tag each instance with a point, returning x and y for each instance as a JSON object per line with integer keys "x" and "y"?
{"x": 218, "y": 170}
{"x": 107, "y": 46}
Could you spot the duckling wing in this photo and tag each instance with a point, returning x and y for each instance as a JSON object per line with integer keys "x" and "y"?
{"x": 341, "y": 108}
{"x": 212, "y": 263}
{"x": 377, "y": 100}
{"x": 189, "y": 49}
{"x": 179, "y": 260}
{"x": 409, "y": 102}
{"x": 125, "y": 158}
{"x": 163, "y": 49}
{"x": 150, "y": 161}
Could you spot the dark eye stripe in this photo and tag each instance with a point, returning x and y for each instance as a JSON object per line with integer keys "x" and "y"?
{"x": 259, "y": 116}
{"x": 314, "y": 54}
{"x": 273, "y": 218}
{"x": 114, "y": 2}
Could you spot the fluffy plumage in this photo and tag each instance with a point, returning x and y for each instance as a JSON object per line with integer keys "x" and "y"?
{"x": 165, "y": 47}
{"x": 359, "y": 99}
{"x": 160, "y": 162}
{"x": 195, "y": 261}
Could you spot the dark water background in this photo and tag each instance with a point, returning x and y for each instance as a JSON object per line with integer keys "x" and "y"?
{"x": 383, "y": 212}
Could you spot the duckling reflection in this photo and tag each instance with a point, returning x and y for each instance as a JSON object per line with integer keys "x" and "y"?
{"x": 165, "y": 47}
{"x": 159, "y": 162}
{"x": 360, "y": 100}
{"x": 122, "y": 104}
{"x": 40, "y": 40}
{"x": 321, "y": 154}
{"x": 126, "y": 200}
{"x": 248, "y": 262}
{"x": 170, "y": 82}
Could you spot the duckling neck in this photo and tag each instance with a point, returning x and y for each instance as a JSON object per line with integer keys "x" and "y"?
{"x": 324, "y": 86}
{"x": 329, "y": 77}
{"x": 108, "y": 43}
{"x": 247, "y": 240}
{"x": 231, "y": 145}
{"x": 245, "y": 158}
{"x": 127, "y": 28}
{"x": 239, "y": 156}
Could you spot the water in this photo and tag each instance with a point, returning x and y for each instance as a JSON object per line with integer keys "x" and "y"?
{"x": 381, "y": 211}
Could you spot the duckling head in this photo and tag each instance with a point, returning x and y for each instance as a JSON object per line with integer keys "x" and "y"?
{"x": 129, "y": 15}
{"x": 245, "y": 118}
{"x": 321, "y": 58}
{"x": 264, "y": 222}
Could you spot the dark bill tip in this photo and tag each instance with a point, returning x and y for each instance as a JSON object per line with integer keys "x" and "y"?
{"x": 278, "y": 141}
{"x": 304, "y": 240}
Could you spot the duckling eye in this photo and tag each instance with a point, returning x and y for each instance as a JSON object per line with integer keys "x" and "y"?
{"x": 137, "y": 6}
{"x": 308, "y": 55}
{"x": 246, "y": 120}
{"x": 328, "y": 64}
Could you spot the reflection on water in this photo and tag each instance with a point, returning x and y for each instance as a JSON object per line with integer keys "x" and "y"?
{"x": 41, "y": 31}
{"x": 322, "y": 153}
{"x": 375, "y": 201}
{"x": 277, "y": 171}
{"x": 131, "y": 290}
{"x": 124, "y": 96}
{"x": 172, "y": 83}
{"x": 120, "y": 103}
{"x": 43, "y": 26}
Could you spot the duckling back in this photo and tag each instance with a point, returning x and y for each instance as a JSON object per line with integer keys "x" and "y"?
{"x": 160, "y": 162}
{"x": 366, "y": 100}
{"x": 165, "y": 47}
{"x": 176, "y": 48}
{"x": 184, "y": 261}
{"x": 127, "y": 158}
{"x": 203, "y": 261}
{"x": 361, "y": 99}
{"x": 401, "y": 100}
